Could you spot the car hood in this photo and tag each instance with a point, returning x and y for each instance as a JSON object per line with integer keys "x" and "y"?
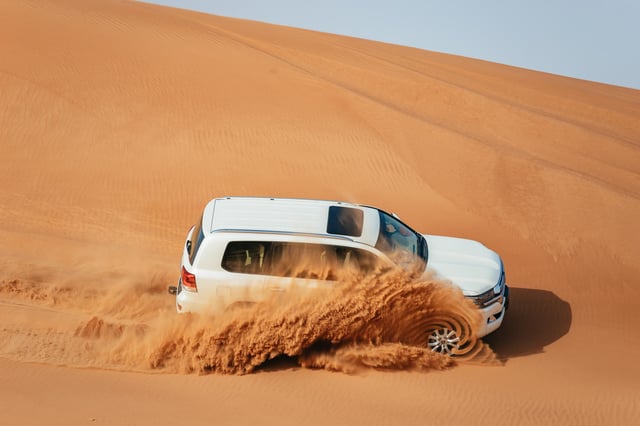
{"x": 467, "y": 263}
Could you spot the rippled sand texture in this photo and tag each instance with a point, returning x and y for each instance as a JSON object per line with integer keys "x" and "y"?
{"x": 120, "y": 120}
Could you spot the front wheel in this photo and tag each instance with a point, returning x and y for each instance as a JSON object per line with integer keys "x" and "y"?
{"x": 444, "y": 341}
{"x": 450, "y": 336}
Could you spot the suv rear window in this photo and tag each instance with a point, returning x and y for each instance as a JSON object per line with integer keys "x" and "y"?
{"x": 345, "y": 221}
{"x": 196, "y": 239}
{"x": 296, "y": 260}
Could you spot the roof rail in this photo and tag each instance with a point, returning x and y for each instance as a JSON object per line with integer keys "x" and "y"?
{"x": 302, "y": 234}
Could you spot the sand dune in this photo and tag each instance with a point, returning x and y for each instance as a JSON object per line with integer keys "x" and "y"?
{"x": 120, "y": 120}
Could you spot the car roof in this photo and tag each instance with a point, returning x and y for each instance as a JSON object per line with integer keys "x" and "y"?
{"x": 286, "y": 216}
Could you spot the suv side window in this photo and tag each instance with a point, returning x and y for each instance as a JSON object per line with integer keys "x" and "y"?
{"x": 296, "y": 260}
{"x": 247, "y": 257}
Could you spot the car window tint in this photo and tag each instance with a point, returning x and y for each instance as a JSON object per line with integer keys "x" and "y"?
{"x": 245, "y": 256}
{"x": 296, "y": 260}
{"x": 345, "y": 221}
{"x": 196, "y": 240}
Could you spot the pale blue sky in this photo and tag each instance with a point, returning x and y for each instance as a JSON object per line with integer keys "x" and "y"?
{"x": 588, "y": 39}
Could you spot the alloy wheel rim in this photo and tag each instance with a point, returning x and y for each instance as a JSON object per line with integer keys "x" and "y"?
{"x": 444, "y": 341}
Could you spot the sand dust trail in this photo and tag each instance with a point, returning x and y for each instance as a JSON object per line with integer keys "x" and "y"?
{"x": 128, "y": 322}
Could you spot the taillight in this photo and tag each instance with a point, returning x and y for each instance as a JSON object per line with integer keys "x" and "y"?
{"x": 188, "y": 280}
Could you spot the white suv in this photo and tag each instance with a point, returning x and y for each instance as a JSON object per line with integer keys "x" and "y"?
{"x": 241, "y": 243}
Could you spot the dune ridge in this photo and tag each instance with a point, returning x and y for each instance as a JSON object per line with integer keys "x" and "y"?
{"x": 119, "y": 120}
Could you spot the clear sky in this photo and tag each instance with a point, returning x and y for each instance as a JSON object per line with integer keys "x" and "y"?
{"x": 589, "y": 39}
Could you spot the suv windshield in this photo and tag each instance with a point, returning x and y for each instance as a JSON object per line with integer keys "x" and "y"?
{"x": 404, "y": 246}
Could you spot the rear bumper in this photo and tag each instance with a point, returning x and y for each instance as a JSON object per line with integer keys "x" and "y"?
{"x": 188, "y": 301}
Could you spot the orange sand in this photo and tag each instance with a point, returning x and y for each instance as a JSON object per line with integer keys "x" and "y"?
{"x": 120, "y": 120}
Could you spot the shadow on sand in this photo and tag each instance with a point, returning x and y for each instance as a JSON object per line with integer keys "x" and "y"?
{"x": 535, "y": 319}
{"x": 279, "y": 363}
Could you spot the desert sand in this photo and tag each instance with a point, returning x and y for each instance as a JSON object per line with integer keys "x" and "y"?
{"x": 120, "y": 120}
